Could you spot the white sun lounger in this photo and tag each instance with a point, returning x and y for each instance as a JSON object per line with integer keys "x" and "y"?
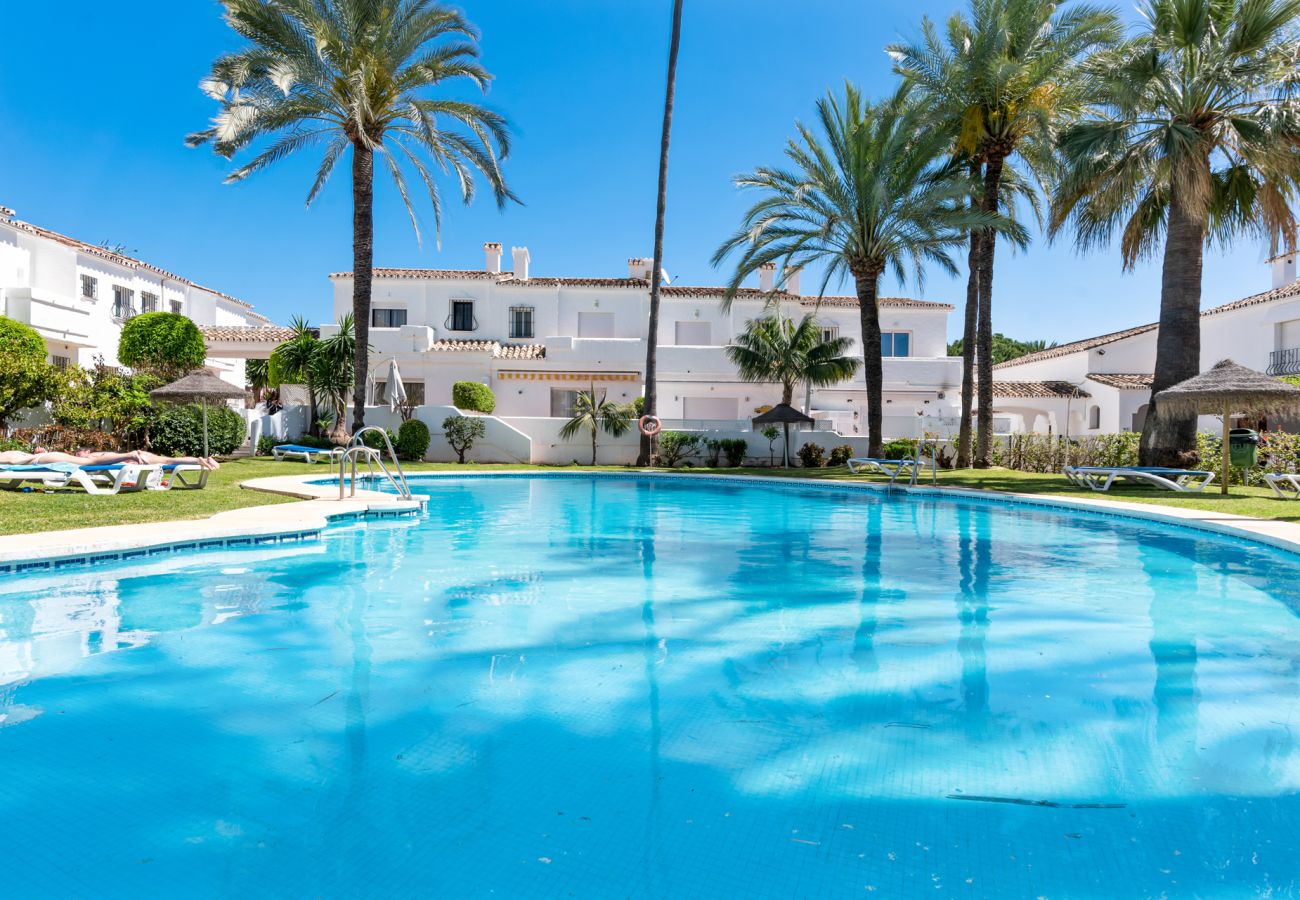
{"x": 307, "y": 454}
{"x": 181, "y": 477}
{"x": 120, "y": 478}
{"x": 1100, "y": 478}
{"x": 1285, "y": 485}
{"x": 891, "y": 467}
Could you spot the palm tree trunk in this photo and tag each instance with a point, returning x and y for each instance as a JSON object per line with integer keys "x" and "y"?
{"x": 1166, "y": 437}
{"x": 312, "y": 428}
{"x": 593, "y": 443}
{"x": 984, "y": 328}
{"x": 968, "y": 338}
{"x": 363, "y": 257}
{"x": 646, "y": 453}
{"x": 867, "y": 279}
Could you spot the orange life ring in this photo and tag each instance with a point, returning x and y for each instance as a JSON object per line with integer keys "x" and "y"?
{"x": 649, "y": 425}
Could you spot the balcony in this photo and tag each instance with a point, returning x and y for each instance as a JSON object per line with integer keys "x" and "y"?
{"x": 1284, "y": 362}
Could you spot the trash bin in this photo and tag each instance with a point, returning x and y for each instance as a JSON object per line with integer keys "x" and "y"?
{"x": 1242, "y": 445}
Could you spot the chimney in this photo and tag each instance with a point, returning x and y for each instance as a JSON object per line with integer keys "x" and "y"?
{"x": 493, "y": 252}
{"x": 639, "y": 267}
{"x": 521, "y": 262}
{"x": 792, "y": 281}
{"x": 1283, "y": 269}
{"x": 766, "y": 275}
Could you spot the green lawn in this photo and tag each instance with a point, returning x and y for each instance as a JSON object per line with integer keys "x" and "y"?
{"x": 28, "y": 512}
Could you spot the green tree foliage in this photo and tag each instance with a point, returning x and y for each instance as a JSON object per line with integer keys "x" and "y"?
{"x": 412, "y": 439}
{"x": 594, "y": 412}
{"x": 473, "y": 396}
{"x": 105, "y": 398}
{"x": 379, "y": 79}
{"x": 290, "y": 363}
{"x": 1005, "y": 349}
{"x": 164, "y": 344}
{"x": 461, "y": 432}
{"x": 178, "y": 430}
{"x": 676, "y": 446}
{"x": 331, "y": 373}
{"x": 26, "y": 379}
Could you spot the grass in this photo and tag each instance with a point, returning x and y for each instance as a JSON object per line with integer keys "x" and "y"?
{"x": 30, "y": 512}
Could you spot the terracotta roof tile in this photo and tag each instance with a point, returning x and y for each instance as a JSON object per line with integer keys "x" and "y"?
{"x": 496, "y": 349}
{"x": 576, "y": 282}
{"x": 1123, "y": 381}
{"x": 893, "y": 302}
{"x": 444, "y": 274}
{"x": 246, "y": 333}
{"x": 1036, "y": 389}
{"x": 522, "y": 351}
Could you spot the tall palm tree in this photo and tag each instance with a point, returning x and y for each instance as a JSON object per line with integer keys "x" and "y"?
{"x": 595, "y": 412}
{"x": 1005, "y": 81}
{"x": 1195, "y": 139}
{"x": 358, "y": 76}
{"x": 331, "y": 370}
{"x": 646, "y": 452}
{"x": 776, "y": 350}
{"x": 865, "y": 193}
{"x": 290, "y": 363}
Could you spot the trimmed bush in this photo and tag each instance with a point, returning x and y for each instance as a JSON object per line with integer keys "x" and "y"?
{"x": 375, "y": 441}
{"x": 734, "y": 449}
{"x": 462, "y": 431}
{"x": 812, "y": 456}
{"x": 178, "y": 430}
{"x": 165, "y": 344}
{"x": 675, "y": 446}
{"x": 412, "y": 440}
{"x": 899, "y": 448}
{"x": 840, "y": 455}
{"x": 473, "y": 396}
{"x": 26, "y": 379}
{"x": 265, "y": 444}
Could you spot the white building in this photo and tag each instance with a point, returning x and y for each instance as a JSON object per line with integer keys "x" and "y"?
{"x": 77, "y": 295}
{"x": 1103, "y": 384}
{"x": 536, "y": 341}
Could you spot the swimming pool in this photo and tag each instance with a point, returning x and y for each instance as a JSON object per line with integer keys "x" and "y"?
{"x": 572, "y": 686}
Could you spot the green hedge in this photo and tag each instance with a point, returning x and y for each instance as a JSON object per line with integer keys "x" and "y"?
{"x": 412, "y": 440}
{"x": 473, "y": 396}
{"x": 178, "y": 430}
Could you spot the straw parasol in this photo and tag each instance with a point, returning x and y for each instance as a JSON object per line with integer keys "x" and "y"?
{"x": 784, "y": 414}
{"x": 201, "y": 386}
{"x": 1226, "y": 387}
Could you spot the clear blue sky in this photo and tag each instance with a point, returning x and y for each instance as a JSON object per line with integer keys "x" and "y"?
{"x": 96, "y": 98}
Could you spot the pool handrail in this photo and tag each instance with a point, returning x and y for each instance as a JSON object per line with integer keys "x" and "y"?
{"x": 358, "y": 448}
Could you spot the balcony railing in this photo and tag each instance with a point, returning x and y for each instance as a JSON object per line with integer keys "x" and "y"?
{"x": 1284, "y": 362}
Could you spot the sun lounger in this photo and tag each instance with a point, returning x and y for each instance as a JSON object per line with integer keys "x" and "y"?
{"x": 120, "y": 478}
{"x": 891, "y": 467}
{"x": 1285, "y": 485}
{"x": 1100, "y": 478}
{"x": 308, "y": 454}
{"x": 182, "y": 477}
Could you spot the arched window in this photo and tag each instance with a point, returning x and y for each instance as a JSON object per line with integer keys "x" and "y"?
{"x": 1094, "y": 417}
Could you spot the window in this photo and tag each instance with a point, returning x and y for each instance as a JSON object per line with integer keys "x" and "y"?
{"x": 148, "y": 302}
{"x": 176, "y": 307}
{"x": 462, "y": 316}
{"x": 521, "y": 321}
{"x": 60, "y": 362}
{"x": 123, "y": 302}
{"x": 1094, "y": 417}
{"x": 895, "y": 343}
{"x": 414, "y": 393}
{"x": 830, "y": 333}
{"x": 562, "y": 401}
{"x": 387, "y": 318}
{"x": 89, "y": 287}
{"x": 694, "y": 334}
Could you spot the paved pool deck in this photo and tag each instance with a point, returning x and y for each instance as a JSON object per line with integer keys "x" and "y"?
{"x": 320, "y": 504}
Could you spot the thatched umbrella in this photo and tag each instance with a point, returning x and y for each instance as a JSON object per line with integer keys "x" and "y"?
{"x": 1226, "y": 387}
{"x": 200, "y": 386}
{"x": 784, "y": 414}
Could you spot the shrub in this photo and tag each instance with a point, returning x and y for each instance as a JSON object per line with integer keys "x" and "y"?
{"x": 734, "y": 449}
{"x": 638, "y": 406}
{"x": 812, "y": 455}
{"x": 675, "y": 446}
{"x": 899, "y": 448}
{"x": 375, "y": 441}
{"x": 265, "y": 444}
{"x": 473, "y": 396}
{"x": 68, "y": 439}
{"x": 840, "y": 455}
{"x": 771, "y": 433}
{"x": 178, "y": 430}
{"x": 26, "y": 379}
{"x": 13, "y": 444}
{"x": 310, "y": 440}
{"x": 462, "y": 431}
{"x": 165, "y": 344}
{"x": 1051, "y": 453}
{"x": 712, "y": 450}
{"x": 412, "y": 440}
{"x": 105, "y": 398}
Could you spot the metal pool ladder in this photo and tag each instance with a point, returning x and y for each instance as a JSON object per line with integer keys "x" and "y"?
{"x": 358, "y": 450}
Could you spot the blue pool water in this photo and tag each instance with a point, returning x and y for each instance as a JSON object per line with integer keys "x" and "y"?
{"x": 580, "y": 687}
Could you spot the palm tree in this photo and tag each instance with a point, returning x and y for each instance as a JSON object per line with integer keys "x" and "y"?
{"x": 356, "y": 75}
{"x": 594, "y": 412}
{"x": 777, "y": 350}
{"x": 331, "y": 369}
{"x": 1195, "y": 139}
{"x": 290, "y": 363}
{"x": 862, "y": 196}
{"x": 646, "y": 453}
{"x": 256, "y": 373}
{"x": 1004, "y": 82}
